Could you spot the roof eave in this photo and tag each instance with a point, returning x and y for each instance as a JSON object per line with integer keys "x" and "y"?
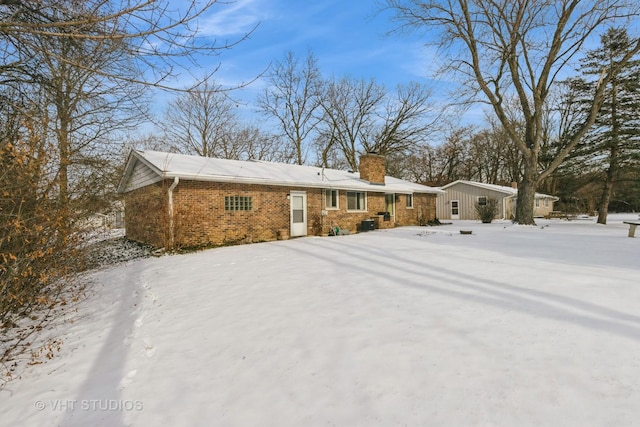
{"x": 134, "y": 157}
{"x": 361, "y": 185}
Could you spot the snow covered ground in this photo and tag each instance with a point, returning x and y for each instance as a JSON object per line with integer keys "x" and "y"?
{"x": 417, "y": 326}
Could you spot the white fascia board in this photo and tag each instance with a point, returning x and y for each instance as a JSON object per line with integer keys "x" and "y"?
{"x": 266, "y": 181}
{"x": 358, "y": 185}
{"x": 498, "y": 188}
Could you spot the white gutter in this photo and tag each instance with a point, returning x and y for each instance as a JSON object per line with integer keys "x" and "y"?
{"x": 338, "y": 185}
{"x": 176, "y": 180}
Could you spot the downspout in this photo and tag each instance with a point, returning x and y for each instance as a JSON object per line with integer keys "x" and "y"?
{"x": 508, "y": 201}
{"x": 504, "y": 208}
{"x": 176, "y": 180}
{"x": 324, "y": 205}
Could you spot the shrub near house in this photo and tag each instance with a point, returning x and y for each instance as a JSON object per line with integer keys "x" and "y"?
{"x": 487, "y": 209}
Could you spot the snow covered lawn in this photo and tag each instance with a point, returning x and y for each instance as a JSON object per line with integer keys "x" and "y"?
{"x": 418, "y": 326}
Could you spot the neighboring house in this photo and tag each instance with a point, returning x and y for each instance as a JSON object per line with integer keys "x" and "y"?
{"x": 460, "y": 198}
{"x": 179, "y": 200}
{"x": 110, "y": 218}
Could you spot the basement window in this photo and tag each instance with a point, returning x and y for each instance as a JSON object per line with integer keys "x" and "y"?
{"x": 238, "y": 203}
{"x": 356, "y": 201}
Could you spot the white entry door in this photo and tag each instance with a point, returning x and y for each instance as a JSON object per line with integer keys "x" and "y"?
{"x": 298, "y": 204}
{"x": 455, "y": 209}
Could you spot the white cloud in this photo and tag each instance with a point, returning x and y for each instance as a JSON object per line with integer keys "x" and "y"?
{"x": 234, "y": 18}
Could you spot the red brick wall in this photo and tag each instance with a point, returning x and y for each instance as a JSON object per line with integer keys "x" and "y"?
{"x": 424, "y": 209}
{"x": 146, "y": 218}
{"x": 351, "y": 220}
{"x": 372, "y": 168}
{"x": 200, "y": 218}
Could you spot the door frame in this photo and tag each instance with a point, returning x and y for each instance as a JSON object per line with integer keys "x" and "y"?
{"x": 392, "y": 196}
{"x": 298, "y": 229}
{"x": 456, "y": 216}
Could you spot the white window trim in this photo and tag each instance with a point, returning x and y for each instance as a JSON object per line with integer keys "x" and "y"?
{"x": 365, "y": 201}
{"x": 483, "y": 197}
{"x": 409, "y": 197}
{"x": 326, "y": 205}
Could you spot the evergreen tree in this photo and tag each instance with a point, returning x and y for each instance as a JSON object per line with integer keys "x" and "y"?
{"x": 611, "y": 149}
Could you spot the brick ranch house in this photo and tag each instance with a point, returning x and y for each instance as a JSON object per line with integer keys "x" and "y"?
{"x": 174, "y": 200}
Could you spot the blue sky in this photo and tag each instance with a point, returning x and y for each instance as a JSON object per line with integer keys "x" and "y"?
{"x": 348, "y": 38}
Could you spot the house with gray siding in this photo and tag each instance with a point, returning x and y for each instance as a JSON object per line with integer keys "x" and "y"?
{"x": 460, "y": 197}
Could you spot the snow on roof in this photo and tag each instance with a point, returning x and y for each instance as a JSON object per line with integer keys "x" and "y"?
{"x": 171, "y": 165}
{"x": 509, "y": 191}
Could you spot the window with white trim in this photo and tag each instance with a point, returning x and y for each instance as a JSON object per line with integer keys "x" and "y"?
{"x": 409, "y": 201}
{"x": 356, "y": 201}
{"x": 238, "y": 203}
{"x": 331, "y": 199}
{"x": 482, "y": 201}
{"x": 537, "y": 203}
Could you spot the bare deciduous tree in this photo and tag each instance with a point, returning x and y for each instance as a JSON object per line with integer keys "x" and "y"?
{"x": 484, "y": 155}
{"x": 161, "y": 35}
{"x": 406, "y": 121}
{"x": 72, "y": 73}
{"x": 360, "y": 116}
{"x": 204, "y": 122}
{"x": 349, "y": 108}
{"x": 93, "y": 61}
{"x": 200, "y": 121}
{"x": 87, "y": 109}
{"x": 260, "y": 145}
{"x": 506, "y": 48}
{"x": 292, "y": 99}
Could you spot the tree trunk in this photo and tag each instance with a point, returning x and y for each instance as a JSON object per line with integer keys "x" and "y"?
{"x": 603, "y": 205}
{"x": 63, "y": 178}
{"x": 527, "y": 192}
{"x": 612, "y": 170}
{"x": 299, "y": 143}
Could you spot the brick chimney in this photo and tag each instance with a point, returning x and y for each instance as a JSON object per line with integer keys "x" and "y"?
{"x": 372, "y": 168}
